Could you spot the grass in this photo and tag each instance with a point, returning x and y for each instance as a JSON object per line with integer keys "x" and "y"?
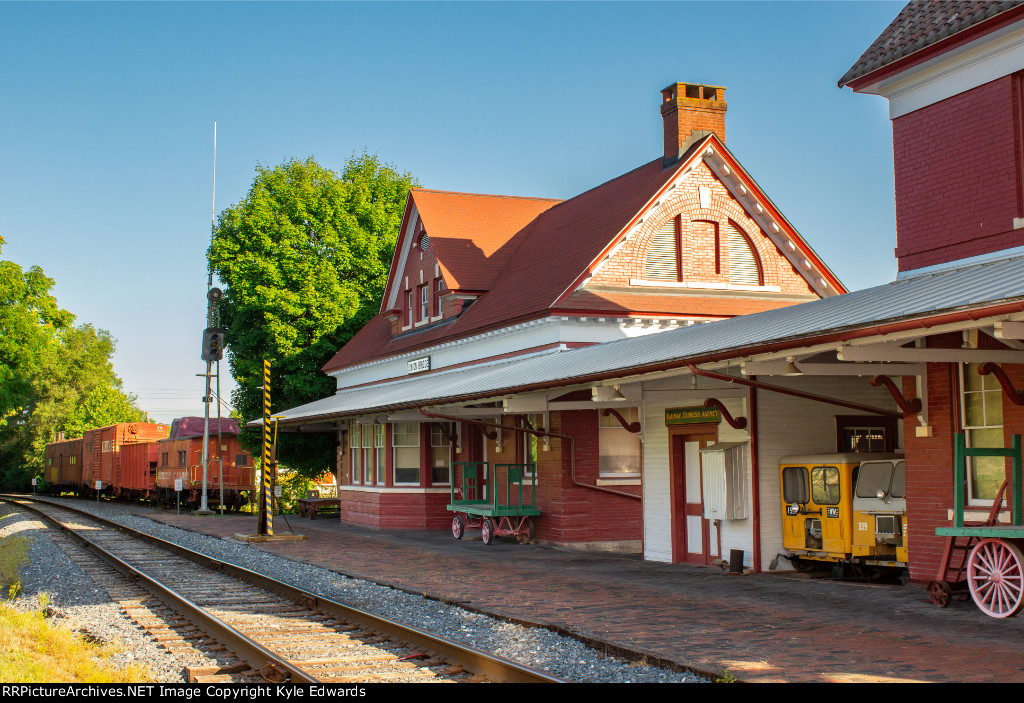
{"x": 13, "y": 553}
{"x": 33, "y": 652}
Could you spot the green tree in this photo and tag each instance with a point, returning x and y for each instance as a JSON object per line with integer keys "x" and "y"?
{"x": 304, "y": 259}
{"x": 76, "y": 390}
{"x": 29, "y": 322}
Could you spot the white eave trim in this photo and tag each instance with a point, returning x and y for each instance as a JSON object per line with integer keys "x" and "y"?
{"x": 981, "y": 61}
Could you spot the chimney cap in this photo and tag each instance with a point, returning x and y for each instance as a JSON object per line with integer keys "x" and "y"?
{"x": 697, "y": 91}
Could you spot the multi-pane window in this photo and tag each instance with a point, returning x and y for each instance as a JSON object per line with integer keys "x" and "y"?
{"x": 982, "y": 409}
{"x": 437, "y": 296}
{"x": 356, "y": 453}
{"x": 379, "y": 435}
{"x": 618, "y": 448}
{"x": 408, "y": 309}
{"x": 440, "y": 452}
{"x": 405, "y": 441}
{"x": 367, "y": 450}
{"x": 182, "y": 458}
{"x": 424, "y": 302}
{"x": 530, "y": 440}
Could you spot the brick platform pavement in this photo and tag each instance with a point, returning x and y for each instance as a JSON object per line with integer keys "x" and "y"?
{"x": 762, "y": 628}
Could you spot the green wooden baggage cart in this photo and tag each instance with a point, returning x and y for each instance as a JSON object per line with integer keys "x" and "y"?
{"x": 500, "y": 500}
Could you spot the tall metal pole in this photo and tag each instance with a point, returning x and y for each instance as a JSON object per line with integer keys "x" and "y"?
{"x": 203, "y": 507}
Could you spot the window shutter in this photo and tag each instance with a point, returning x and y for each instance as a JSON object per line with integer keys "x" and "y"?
{"x": 661, "y": 255}
{"x": 742, "y": 260}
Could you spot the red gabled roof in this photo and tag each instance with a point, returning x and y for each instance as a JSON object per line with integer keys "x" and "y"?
{"x": 543, "y": 263}
{"x": 470, "y": 233}
{"x": 537, "y": 262}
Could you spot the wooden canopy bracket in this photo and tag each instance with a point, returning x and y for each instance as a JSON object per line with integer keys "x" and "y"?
{"x": 909, "y": 407}
{"x": 1016, "y": 397}
{"x": 737, "y": 423}
{"x": 633, "y": 427}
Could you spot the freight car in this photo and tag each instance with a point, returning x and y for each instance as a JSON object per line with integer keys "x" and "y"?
{"x": 62, "y": 464}
{"x": 139, "y": 461}
{"x": 845, "y": 510}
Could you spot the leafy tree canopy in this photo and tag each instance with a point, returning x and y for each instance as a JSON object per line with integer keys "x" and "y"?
{"x": 29, "y": 321}
{"x": 54, "y": 377}
{"x": 304, "y": 258}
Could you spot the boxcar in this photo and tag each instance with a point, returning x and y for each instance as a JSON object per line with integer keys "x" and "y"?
{"x": 101, "y": 453}
{"x": 62, "y": 464}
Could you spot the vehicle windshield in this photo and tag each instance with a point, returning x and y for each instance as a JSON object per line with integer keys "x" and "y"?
{"x": 899, "y": 481}
{"x": 825, "y": 485}
{"x": 794, "y": 485}
{"x": 874, "y": 476}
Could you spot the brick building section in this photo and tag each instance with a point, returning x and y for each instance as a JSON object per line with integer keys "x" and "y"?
{"x": 421, "y": 269}
{"x": 697, "y": 236}
{"x": 929, "y": 460}
{"x": 958, "y": 176}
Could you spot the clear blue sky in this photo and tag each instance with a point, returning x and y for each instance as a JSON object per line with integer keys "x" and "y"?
{"x": 107, "y": 112}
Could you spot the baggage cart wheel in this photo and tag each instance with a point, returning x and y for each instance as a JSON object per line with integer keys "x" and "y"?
{"x": 487, "y": 531}
{"x": 526, "y": 531}
{"x": 458, "y": 527}
{"x": 995, "y": 577}
{"x": 939, "y": 593}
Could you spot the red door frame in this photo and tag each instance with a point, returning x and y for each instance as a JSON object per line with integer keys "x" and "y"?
{"x": 706, "y": 434}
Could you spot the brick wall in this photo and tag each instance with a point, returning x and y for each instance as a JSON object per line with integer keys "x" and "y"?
{"x": 420, "y": 269}
{"x": 958, "y": 177}
{"x": 697, "y": 235}
{"x": 929, "y": 460}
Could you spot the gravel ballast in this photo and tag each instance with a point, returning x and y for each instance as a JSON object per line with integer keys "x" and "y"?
{"x": 81, "y": 605}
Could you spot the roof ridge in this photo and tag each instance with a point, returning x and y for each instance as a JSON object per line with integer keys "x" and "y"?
{"x": 485, "y": 195}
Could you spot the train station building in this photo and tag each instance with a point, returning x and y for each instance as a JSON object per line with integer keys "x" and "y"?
{"x": 657, "y": 345}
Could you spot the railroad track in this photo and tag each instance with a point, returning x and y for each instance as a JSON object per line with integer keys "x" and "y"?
{"x": 247, "y": 627}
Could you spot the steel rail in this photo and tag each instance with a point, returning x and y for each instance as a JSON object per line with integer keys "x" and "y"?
{"x": 497, "y": 669}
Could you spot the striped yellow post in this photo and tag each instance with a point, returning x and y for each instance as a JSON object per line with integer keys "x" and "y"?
{"x": 266, "y": 519}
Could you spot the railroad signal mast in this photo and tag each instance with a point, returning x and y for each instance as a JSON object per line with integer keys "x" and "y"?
{"x": 213, "y": 350}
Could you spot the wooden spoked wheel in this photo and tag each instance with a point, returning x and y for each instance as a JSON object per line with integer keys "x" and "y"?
{"x": 487, "y": 531}
{"x": 939, "y": 593}
{"x": 995, "y": 576}
{"x": 458, "y": 527}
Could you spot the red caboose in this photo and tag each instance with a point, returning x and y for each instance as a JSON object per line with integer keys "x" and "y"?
{"x": 181, "y": 457}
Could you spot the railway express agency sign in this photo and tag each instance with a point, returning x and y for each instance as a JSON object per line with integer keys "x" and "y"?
{"x": 691, "y": 416}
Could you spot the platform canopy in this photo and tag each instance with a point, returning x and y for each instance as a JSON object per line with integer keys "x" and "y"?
{"x": 970, "y": 296}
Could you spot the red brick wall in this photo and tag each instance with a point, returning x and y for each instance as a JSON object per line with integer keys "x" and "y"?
{"x": 698, "y": 255}
{"x": 390, "y": 510}
{"x": 419, "y": 264}
{"x": 958, "y": 177}
{"x": 929, "y": 460}
{"x": 572, "y": 513}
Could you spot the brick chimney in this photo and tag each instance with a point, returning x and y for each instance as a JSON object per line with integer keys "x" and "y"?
{"x": 691, "y": 112}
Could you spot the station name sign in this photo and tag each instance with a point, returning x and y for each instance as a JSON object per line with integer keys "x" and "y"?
{"x": 421, "y": 364}
{"x": 689, "y": 416}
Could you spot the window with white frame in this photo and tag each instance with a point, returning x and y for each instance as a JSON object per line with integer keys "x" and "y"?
{"x": 437, "y": 295}
{"x": 379, "y": 448}
{"x": 408, "y": 309}
{"x": 982, "y": 410}
{"x": 405, "y": 442}
{"x": 368, "y": 453}
{"x": 424, "y": 302}
{"x": 356, "y": 452}
{"x": 618, "y": 448}
{"x": 440, "y": 453}
{"x": 530, "y": 441}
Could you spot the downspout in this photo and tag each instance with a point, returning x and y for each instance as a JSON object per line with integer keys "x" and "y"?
{"x": 539, "y": 433}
